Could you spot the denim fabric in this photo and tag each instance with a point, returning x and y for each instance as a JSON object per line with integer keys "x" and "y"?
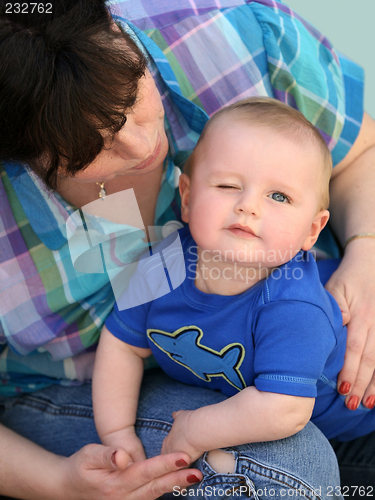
{"x": 61, "y": 420}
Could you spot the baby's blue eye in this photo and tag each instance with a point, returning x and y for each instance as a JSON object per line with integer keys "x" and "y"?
{"x": 280, "y": 197}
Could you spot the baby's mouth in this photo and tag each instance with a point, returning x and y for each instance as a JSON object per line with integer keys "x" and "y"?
{"x": 240, "y": 230}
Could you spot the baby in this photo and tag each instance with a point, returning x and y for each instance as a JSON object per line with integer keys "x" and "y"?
{"x": 251, "y": 318}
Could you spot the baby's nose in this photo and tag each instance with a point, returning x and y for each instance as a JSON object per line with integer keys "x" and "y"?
{"x": 250, "y": 205}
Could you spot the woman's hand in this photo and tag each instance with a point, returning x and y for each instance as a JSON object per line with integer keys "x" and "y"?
{"x": 95, "y": 472}
{"x": 100, "y": 472}
{"x": 353, "y": 284}
{"x": 180, "y": 437}
{"x": 353, "y": 287}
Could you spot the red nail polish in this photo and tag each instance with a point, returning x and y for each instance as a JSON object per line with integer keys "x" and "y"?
{"x": 181, "y": 463}
{"x": 353, "y": 403}
{"x": 344, "y": 388}
{"x": 370, "y": 402}
{"x": 192, "y": 479}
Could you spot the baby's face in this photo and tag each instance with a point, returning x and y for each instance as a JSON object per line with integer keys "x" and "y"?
{"x": 254, "y": 195}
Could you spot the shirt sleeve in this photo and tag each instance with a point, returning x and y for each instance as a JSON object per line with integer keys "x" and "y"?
{"x": 129, "y": 325}
{"x": 293, "y": 340}
{"x": 220, "y": 55}
{"x": 215, "y": 55}
{"x": 308, "y": 74}
{"x": 128, "y": 321}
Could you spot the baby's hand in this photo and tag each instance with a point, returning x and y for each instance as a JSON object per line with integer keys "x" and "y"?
{"x": 180, "y": 437}
{"x": 128, "y": 439}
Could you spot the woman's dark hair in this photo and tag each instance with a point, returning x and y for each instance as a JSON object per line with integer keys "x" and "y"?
{"x": 64, "y": 78}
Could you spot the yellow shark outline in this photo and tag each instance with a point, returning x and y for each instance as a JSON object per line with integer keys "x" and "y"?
{"x": 204, "y": 348}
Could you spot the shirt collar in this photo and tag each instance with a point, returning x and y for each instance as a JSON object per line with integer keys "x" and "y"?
{"x": 41, "y": 208}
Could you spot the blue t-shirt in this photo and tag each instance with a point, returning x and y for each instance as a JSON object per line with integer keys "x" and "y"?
{"x": 283, "y": 335}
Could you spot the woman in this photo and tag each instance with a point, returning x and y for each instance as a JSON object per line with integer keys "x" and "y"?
{"x": 97, "y": 118}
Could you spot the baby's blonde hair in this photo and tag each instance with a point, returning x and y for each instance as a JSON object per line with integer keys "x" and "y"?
{"x": 289, "y": 122}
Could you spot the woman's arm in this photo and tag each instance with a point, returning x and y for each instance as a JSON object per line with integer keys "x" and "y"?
{"x": 31, "y": 473}
{"x": 248, "y": 417}
{"x": 116, "y": 383}
{"x": 353, "y": 284}
{"x": 28, "y": 471}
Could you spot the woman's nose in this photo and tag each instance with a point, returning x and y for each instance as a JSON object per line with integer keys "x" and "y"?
{"x": 134, "y": 141}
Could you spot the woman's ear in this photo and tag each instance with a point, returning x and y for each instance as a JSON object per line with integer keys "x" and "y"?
{"x": 184, "y": 187}
{"x": 318, "y": 224}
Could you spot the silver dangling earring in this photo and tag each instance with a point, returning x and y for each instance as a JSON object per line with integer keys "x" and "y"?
{"x": 102, "y": 192}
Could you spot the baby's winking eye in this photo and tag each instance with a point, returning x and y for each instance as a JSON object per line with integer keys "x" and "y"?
{"x": 227, "y": 186}
{"x": 280, "y": 197}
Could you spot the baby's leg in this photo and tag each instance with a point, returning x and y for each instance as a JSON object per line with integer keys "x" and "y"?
{"x": 222, "y": 461}
{"x": 303, "y": 465}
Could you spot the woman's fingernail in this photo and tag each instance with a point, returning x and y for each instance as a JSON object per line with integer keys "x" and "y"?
{"x": 370, "y": 402}
{"x": 192, "y": 479}
{"x": 113, "y": 458}
{"x": 344, "y": 388}
{"x": 353, "y": 403}
{"x": 181, "y": 463}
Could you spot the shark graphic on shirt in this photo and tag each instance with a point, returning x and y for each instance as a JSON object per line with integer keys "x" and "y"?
{"x": 184, "y": 347}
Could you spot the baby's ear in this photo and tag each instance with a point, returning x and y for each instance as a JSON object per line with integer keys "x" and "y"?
{"x": 184, "y": 187}
{"x": 317, "y": 225}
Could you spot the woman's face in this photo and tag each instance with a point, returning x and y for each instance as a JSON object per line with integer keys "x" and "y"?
{"x": 140, "y": 146}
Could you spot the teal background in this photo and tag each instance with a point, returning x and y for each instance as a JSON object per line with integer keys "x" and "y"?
{"x": 350, "y": 26}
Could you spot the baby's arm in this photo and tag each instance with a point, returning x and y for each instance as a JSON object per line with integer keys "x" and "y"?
{"x": 116, "y": 383}
{"x": 248, "y": 417}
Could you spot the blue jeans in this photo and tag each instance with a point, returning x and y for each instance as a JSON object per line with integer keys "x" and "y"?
{"x": 61, "y": 420}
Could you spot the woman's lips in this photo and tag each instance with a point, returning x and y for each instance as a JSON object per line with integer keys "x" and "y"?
{"x": 151, "y": 158}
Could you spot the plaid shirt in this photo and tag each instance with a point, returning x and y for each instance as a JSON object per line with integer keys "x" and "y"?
{"x": 202, "y": 57}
